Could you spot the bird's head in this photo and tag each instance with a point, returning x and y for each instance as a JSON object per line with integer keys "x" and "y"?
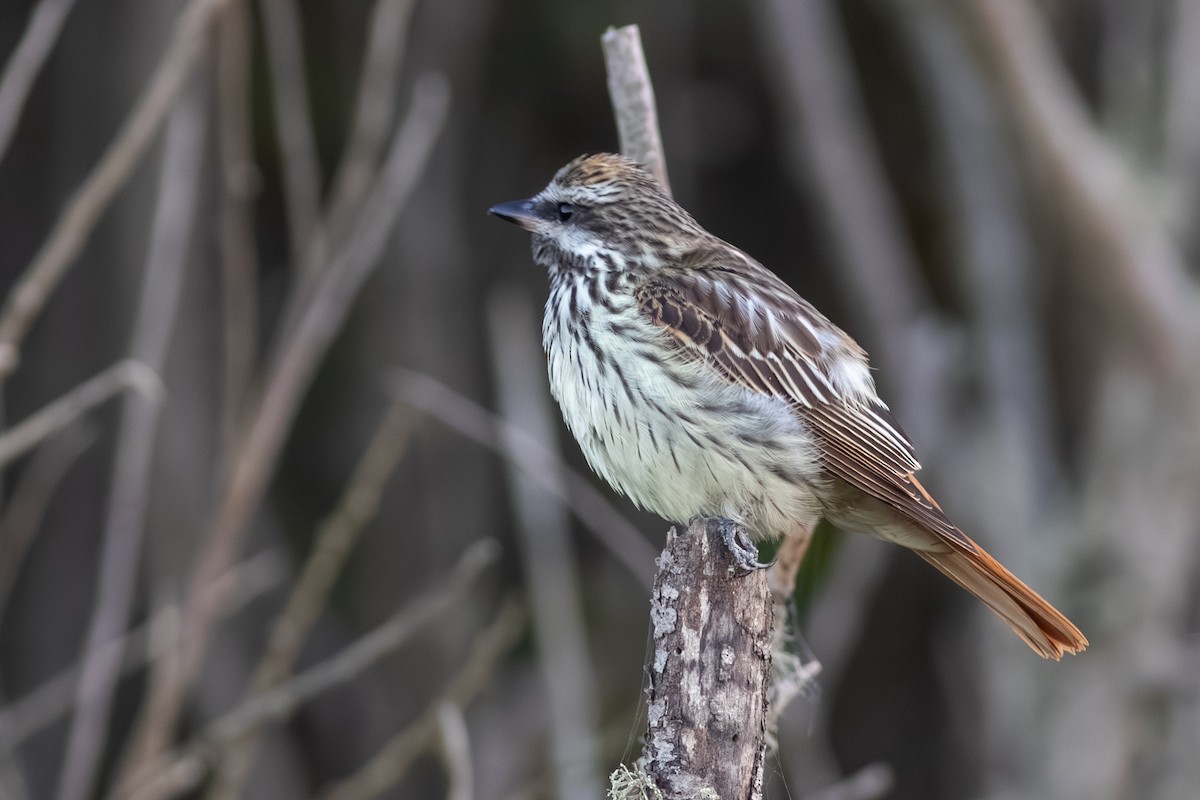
{"x": 601, "y": 211}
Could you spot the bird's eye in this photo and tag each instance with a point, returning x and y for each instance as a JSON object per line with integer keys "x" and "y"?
{"x": 565, "y": 211}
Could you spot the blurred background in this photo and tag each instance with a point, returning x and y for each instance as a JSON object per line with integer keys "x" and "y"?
{"x": 271, "y": 375}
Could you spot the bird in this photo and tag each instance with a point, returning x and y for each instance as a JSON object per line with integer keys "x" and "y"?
{"x": 698, "y": 383}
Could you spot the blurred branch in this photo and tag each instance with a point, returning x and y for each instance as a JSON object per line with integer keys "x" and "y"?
{"x": 818, "y": 90}
{"x": 124, "y": 527}
{"x": 1136, "y": 519}
{"x": 1181, "y": 125}
{"x": 334, "y": 540}
{"x": 606, "y": 523}
{"x": 456, "y": 751}
{"x": 33, "y": 289}
{"x": 13, "y": 785}
{"x": 19, "y": 525}
{"x": 378, "y": 89}
{"x": 1136, "y": 524}
{"x": 288, "y": 376}
{"x": 45, "y": 705}
{"x": 835, "y": 152}
{"x": 781, "y": 575}
{"x": 354, "y": 659}
{"x": 53, "y": 417}
{"x": 534, "y": 788}
{"x": 294, "y": 126}
{"x": 21, "y": 70}
{"x": 791, "y": 675}
{"x": 548, "y": 558}
{"x": 175, "y": 773}
{"x": 388, "y": 766}
{"x": 840, "y": 615}
{"x": 632, "y": 96}
{"x": 836, "y": 624}
{"x": 1136, "y": 276}
{"x": 25, "y": 508}
{"x": 991, "y": 243}
{"x": 239, "y": 185}
{"x": 1127, "y": 57}
{"x": 872, "y": 782}
{"x": 387, "y": 38}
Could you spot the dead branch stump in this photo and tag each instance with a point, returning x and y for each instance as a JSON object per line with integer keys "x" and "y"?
{"x": 709, "y": 669}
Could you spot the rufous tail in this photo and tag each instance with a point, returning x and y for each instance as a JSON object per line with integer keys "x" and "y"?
{"x": 1040, "y": 624}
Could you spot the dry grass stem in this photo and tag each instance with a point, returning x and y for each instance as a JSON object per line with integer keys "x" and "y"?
{"x": 239, "y": 186}
{"x": 34, "y": 288}
{"x": 366, "y": 651}
{"x": 632, "y": 96}
{"x": 293, "y": 125}
{"x": 25, "y": 508}
{"x": 33, "y": 712}
{"x": 334, "y": 540}
{"x": 374, "y": 107}
{"x": 388, "y": 766}
{"x": 158, "y": 309}
{"x": 174, "y": 773}
{"x": 375, "y": 104}
{"x": 288, "y": 376}
{"x": 123, "y": 376}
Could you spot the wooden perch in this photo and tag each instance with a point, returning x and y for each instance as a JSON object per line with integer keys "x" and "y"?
{"x": 709, "y": 671}
{"x": 710, "y": 667}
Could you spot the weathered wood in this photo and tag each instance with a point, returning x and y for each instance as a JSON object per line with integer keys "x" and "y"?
{"x": 710, "y": 666}
{"x": 709, "y": 670}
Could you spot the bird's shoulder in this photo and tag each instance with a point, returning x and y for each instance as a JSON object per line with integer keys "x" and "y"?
{"x": 724, "y": 306}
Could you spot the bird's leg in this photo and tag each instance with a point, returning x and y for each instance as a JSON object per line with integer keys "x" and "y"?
{"x": 741, "y": 547}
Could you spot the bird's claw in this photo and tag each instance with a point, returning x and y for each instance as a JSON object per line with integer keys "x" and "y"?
{"x": 745, "y": 554}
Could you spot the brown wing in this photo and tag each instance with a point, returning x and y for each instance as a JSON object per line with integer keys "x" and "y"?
{"x": 758, "y": 333}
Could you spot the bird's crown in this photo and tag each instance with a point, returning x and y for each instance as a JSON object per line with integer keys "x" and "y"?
{"x": 605, "y": 177}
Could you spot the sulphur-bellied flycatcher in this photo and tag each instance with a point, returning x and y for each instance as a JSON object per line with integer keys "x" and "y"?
{"x": 698, "y": 383}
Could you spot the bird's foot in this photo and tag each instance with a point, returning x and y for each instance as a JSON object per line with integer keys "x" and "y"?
{"x": 743, "y": 550}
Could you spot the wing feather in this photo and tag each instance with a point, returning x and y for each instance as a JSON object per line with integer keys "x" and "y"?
{"x": 773, "y": 342}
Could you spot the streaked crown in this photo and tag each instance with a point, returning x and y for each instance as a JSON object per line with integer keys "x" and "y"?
{"x": 603, "y": 178}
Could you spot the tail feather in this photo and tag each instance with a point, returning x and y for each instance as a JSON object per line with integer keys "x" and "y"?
{"x": 1037, "y": 622}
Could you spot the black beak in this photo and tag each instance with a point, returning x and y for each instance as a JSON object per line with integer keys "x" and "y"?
{"x": 518, "y": 212}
